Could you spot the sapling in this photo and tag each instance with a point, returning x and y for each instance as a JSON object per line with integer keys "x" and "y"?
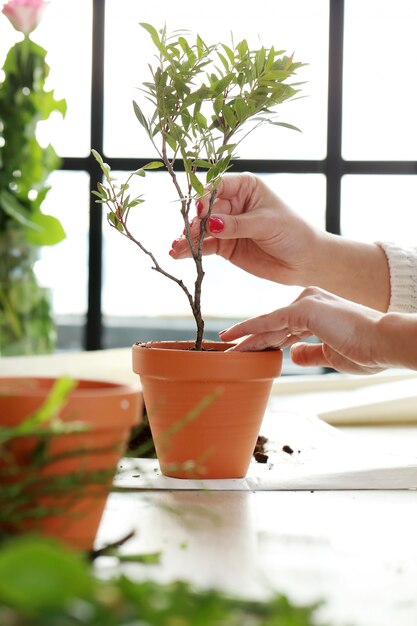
{"x": 205, "y": 100}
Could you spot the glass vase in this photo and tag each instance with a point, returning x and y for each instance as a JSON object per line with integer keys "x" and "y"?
{"x": 26, "y": 322}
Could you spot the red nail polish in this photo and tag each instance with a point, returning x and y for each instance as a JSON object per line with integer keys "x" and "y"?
{"x": 216, "y": 224}
{"x": 174, "y": 243}
{"x": 199, "y": 206}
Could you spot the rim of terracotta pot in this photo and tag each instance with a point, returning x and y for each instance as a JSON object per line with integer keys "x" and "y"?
{"x": 84, "y": 386}
{"x": 260, "y": 364}
{"x": 35, "y": 389}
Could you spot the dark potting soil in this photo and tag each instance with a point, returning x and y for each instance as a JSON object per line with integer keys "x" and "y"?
{"x": 259, "y": 452}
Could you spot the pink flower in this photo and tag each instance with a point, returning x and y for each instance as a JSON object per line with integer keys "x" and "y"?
{"x": 24, "y": 15}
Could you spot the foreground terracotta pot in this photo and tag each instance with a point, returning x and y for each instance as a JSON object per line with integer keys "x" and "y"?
{"x": 205, "y": 408}
{"x": 70, "y": 488}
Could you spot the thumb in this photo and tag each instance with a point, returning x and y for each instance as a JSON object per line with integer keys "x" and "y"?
{"x": 244, "y": 226}
{"x": 307, "y": 354}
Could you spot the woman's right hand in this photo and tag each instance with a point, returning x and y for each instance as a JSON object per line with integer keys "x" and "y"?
{"x": 253, "y": 228}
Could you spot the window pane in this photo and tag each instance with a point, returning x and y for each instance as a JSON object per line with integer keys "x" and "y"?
{"x": 380, "y": 98}
{"x": 64, "y": 267}
{"x": 65, "y": 33}
{"x": 379, "y": 208}
{"x": 131, "y": 288}
{"x": 300, "y": 26}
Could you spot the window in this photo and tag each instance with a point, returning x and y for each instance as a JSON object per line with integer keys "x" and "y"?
{"x": 353, "y": 163}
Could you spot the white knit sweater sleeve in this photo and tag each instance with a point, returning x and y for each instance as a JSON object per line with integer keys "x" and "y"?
{"x": 402, "y": 264}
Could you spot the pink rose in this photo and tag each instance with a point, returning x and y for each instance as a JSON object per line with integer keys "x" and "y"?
{"x": 24, "y": 15}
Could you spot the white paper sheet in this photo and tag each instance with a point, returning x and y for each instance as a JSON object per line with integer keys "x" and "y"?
{"x": 323, "y": 458}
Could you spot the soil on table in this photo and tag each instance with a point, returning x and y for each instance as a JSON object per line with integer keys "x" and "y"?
{"x": 259, "y": 452}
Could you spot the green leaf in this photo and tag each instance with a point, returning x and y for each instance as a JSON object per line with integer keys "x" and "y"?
{"x": 12, "y": 207}
{"x": 97, "y": 156}
{"x": 185, "y": 119}
{"x": 171, "y": 142}
{"x": 38, "y": 575}
{"x": 242, "y": 48}
{"x": 285, "y": 125}
{"x": 219, "y": 168}
{"x": 50, "y": 230}
{"x": 151, "y": 30}
{"x": 224, "y": 61}
{"x": 229, "y": 116}
{"x": 200, "y": 119}
{"x": 112, "y": 219}
{"x": 196, "y": 184}
{"x": 150, "y": 558}
{"x": 142, "y": 119}
{"x": 201, "y": 46}
{"x": 42, "y": 193}
{"x": 46, "y": 104}
{"x": 241, "y": 109}
{"x": 227, "y": 148}
{"x": 155, "y": 37}
{"x": 53, "y": 404}
{"x": 153, "y": 165}
{"x": 260, "y": 60}
{"x": 136, "y": 202}
{"x": 229, "y": 53}
{"x": 220, "y": 86}
{"x": 202, "y": 163}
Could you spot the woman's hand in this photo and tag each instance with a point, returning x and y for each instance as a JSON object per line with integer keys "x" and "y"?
{"x": 254, "y": 229}
{"x": 354, "y": 338}
{"x": 251, "y": 227}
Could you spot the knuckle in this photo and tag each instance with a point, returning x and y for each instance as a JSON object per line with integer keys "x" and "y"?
{"x": 312, "y": 292}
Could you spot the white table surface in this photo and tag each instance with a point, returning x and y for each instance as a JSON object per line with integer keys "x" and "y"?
{"x": 354, "y": 549}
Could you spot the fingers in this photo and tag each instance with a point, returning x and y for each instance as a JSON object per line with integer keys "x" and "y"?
{"x": 231, "y": 187}
{"x": 225, "y": 227}
{"x": 266, "y": 331}
{"x": 233, "y": 215}
{"x": 264, "y": 341}
{"x": 338, "y": 324}
{"x": 306, "y": 354}
{"x": 273, "y": 325}
{"x": 180, "y": 247}
{"x": 322, "y": 355}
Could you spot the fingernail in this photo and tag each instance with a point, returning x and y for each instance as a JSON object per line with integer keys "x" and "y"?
{"x": 216, "y": 224}
{"x": 174, "y": 243}
{"x": 199, "y": 206}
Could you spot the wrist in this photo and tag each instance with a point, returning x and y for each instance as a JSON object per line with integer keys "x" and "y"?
{"x": 397, "y": 340}
{"x": 354, "y": 270}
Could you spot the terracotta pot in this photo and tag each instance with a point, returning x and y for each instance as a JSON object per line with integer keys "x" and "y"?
{"x": 205, "y": 408}
{"x": 70, "y": 487}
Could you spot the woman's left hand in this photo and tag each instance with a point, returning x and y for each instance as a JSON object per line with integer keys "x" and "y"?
{"x": 349, "y": 333}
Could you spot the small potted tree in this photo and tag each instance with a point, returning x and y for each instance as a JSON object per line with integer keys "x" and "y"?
{"x": 204, "y": 100}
